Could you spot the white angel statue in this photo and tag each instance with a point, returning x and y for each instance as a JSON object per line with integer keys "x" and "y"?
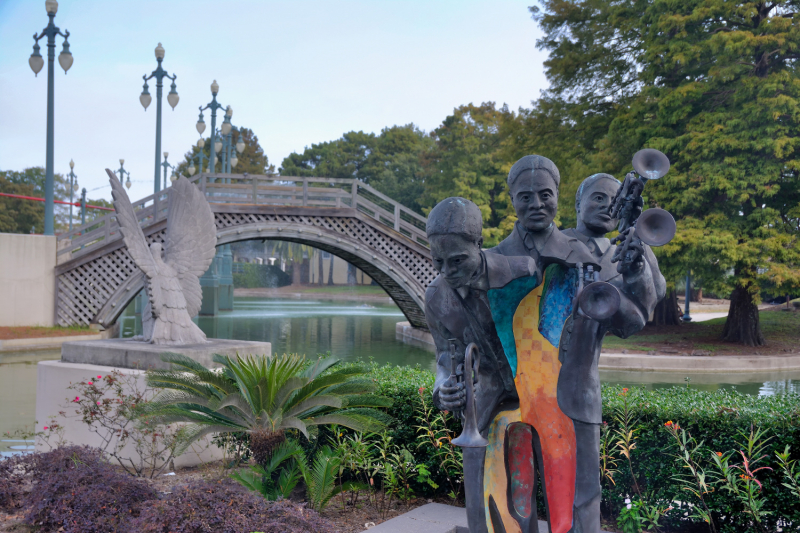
{"x": 172, "y": 283}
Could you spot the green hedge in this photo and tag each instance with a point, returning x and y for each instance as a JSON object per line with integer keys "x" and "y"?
{"x": 717, "y": 418}
{"x": 253, "y": 275}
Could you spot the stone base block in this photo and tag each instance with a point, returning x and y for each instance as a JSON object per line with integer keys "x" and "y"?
{"x": 125, "y": 353}
{"x": 405, "y": 332}
{"x": 53, "y": 395}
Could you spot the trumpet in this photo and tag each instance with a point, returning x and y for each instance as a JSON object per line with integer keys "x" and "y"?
{"x": 470, "y": 436}
{"x": 654, "y": 227}
{"x": 599, "y": 300}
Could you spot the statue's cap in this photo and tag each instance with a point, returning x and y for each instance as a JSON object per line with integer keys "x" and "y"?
{"x": 455, "y": 216}
{"x": 533, "y": 163}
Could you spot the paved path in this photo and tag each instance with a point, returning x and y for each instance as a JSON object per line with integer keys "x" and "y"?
{"x": 702, "y": 317}
{"x": 432, "y": 518}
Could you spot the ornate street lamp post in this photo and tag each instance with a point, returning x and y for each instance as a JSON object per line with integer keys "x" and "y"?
{"x": 72, "y": 177}
{"x": 159, "y": 74}
{"x": 201, "y": 125}
{"x": 167, "y": 165}
{"x": 37, "y": 62}
{"x": 686, "y": 316}
{"x": 200, "y": 158}
{"x": 121, "y": 172}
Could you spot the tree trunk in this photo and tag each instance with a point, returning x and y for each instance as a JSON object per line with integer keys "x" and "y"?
{"x": 295, "y": 274}
{"x": 319, "y": 270}
{"x": 351, "y": 274}
{"x": 330, "y": 270}
{"x": 667, "y": 311}
{"x": 697, "y": 295}
{"x": 742, "y": 325}
{"x": 305, "y": 271}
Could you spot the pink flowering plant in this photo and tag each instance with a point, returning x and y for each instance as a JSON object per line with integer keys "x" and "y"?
{"x": 109, "y": 405}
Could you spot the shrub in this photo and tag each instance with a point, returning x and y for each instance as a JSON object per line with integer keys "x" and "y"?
{"x": 225, "y": 507}
{"x": 715, "y": 419}
{"x": 77, "y": 491}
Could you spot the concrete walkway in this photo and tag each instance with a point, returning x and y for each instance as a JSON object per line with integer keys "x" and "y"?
{"x": 432, "y": 518}
{"x": 45, "y": 343}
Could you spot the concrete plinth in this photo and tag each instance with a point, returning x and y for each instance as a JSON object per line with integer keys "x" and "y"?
{"x": 53, "y": 379}
{"x": 125, "y": 353}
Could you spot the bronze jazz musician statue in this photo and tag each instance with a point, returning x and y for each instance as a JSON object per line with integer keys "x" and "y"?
{"x": 532, "y": 313}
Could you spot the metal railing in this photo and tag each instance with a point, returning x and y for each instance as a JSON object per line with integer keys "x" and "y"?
{"x": 259, "y": 190}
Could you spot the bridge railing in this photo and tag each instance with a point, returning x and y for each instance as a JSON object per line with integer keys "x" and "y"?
{"x": 255, "y": 190}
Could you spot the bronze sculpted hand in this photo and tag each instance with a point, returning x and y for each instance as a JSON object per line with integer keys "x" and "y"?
{"x": 630, "y": 254}
{"x": 452, "y": 396}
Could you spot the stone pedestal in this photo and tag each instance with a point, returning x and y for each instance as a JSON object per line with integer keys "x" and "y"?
{"x": 83, "y": 360}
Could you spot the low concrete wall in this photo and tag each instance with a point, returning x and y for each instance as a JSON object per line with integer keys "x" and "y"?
{"x": 46, "y": 343}
{"x": 52, "y": 397}
{"x": 27, "y": 280}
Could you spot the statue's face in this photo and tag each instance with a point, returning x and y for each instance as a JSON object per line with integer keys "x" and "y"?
{"x": 596, "y": 206}
{"x": 535, "y": 199}
{"x": 456, "y": 258}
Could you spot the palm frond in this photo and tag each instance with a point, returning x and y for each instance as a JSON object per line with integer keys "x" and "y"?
{"x": 327, "y": 400}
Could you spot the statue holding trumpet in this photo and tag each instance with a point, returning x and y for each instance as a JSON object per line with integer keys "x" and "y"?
{"x": 519, "y": 328}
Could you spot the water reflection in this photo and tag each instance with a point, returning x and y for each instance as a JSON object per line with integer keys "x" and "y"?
{"x": 762, "y": 384}
{"x": 349, "y": 330}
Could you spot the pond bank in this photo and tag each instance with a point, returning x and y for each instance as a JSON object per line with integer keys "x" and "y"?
{"x": 404, "y": 332}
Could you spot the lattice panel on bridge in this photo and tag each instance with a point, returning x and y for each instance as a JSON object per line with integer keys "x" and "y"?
{"x": 416, "y": 264}
{"x": 84, "y": 290}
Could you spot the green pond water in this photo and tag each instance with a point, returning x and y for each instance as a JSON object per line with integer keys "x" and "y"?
{"x": 349, "y": 330}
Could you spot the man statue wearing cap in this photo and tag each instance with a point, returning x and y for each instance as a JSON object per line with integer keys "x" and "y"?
{"x": 640, "y": 287}
{"x": 457, "y": 311}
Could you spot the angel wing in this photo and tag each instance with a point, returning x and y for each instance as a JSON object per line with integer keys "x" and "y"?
{"x": 191, "y": 239}
{"x": 129, "y": 227}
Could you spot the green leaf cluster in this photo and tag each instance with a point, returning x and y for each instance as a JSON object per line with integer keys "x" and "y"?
{"x": 260, "y": 393}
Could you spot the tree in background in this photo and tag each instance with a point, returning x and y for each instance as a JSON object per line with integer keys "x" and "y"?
{"x": 252, "y": 160}
{"x": 715, "y": 86}
{"x": 469, "y": 161}
{"x": 18, "y": 216}
{"x": 392, "y": 162}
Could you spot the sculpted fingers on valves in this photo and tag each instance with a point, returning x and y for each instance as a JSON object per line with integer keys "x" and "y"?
{"x": 452, "y": 397}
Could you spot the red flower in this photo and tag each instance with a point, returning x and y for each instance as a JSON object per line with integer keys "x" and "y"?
{"x": 421, "y": 389}
{"x": 719, "y": 454}
{"x": 76, "y": 399}
{"x": 46, "y": 428}
{"x": 99, "y": 377}
{"x": 89, "y": 383}
{"x": 98, "y": 403}
{"x": 668, "y": 423}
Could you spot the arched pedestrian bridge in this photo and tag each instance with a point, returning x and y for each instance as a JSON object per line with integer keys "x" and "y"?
{"x": 96, "y": 277}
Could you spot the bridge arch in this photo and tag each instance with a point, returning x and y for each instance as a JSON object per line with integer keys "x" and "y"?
{"x": 96, "y": 286}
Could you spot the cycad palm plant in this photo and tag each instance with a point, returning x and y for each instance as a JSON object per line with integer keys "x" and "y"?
{"x": 263, "y": 396}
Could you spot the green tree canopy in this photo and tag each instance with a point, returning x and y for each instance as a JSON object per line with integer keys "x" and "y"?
{"x": 18, "y": 216}
{"x": 252, "y": 160}
{"x": 392, "y": 162}
{"x": 714, "y": 85}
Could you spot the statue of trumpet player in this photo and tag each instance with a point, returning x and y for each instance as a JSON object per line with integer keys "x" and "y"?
{"x": 458, "y": 314}
{"x": 640, "y": 286}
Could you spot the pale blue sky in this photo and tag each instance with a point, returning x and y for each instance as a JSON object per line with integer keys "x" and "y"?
{"x": 296, "y": 72}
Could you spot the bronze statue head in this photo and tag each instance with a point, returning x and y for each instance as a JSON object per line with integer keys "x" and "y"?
{"x": 454, "y": 232}
{"x": 533, "y": 184}
{"x": 593, "y": 204}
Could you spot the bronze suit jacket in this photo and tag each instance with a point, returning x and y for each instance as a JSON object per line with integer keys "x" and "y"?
{"x": 469, "y": 319}
{"x": 582, "y": 337}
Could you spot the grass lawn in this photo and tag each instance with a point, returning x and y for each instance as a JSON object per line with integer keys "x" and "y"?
{"x": 32, "y": 332}
{"x": 781, "y": 330}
